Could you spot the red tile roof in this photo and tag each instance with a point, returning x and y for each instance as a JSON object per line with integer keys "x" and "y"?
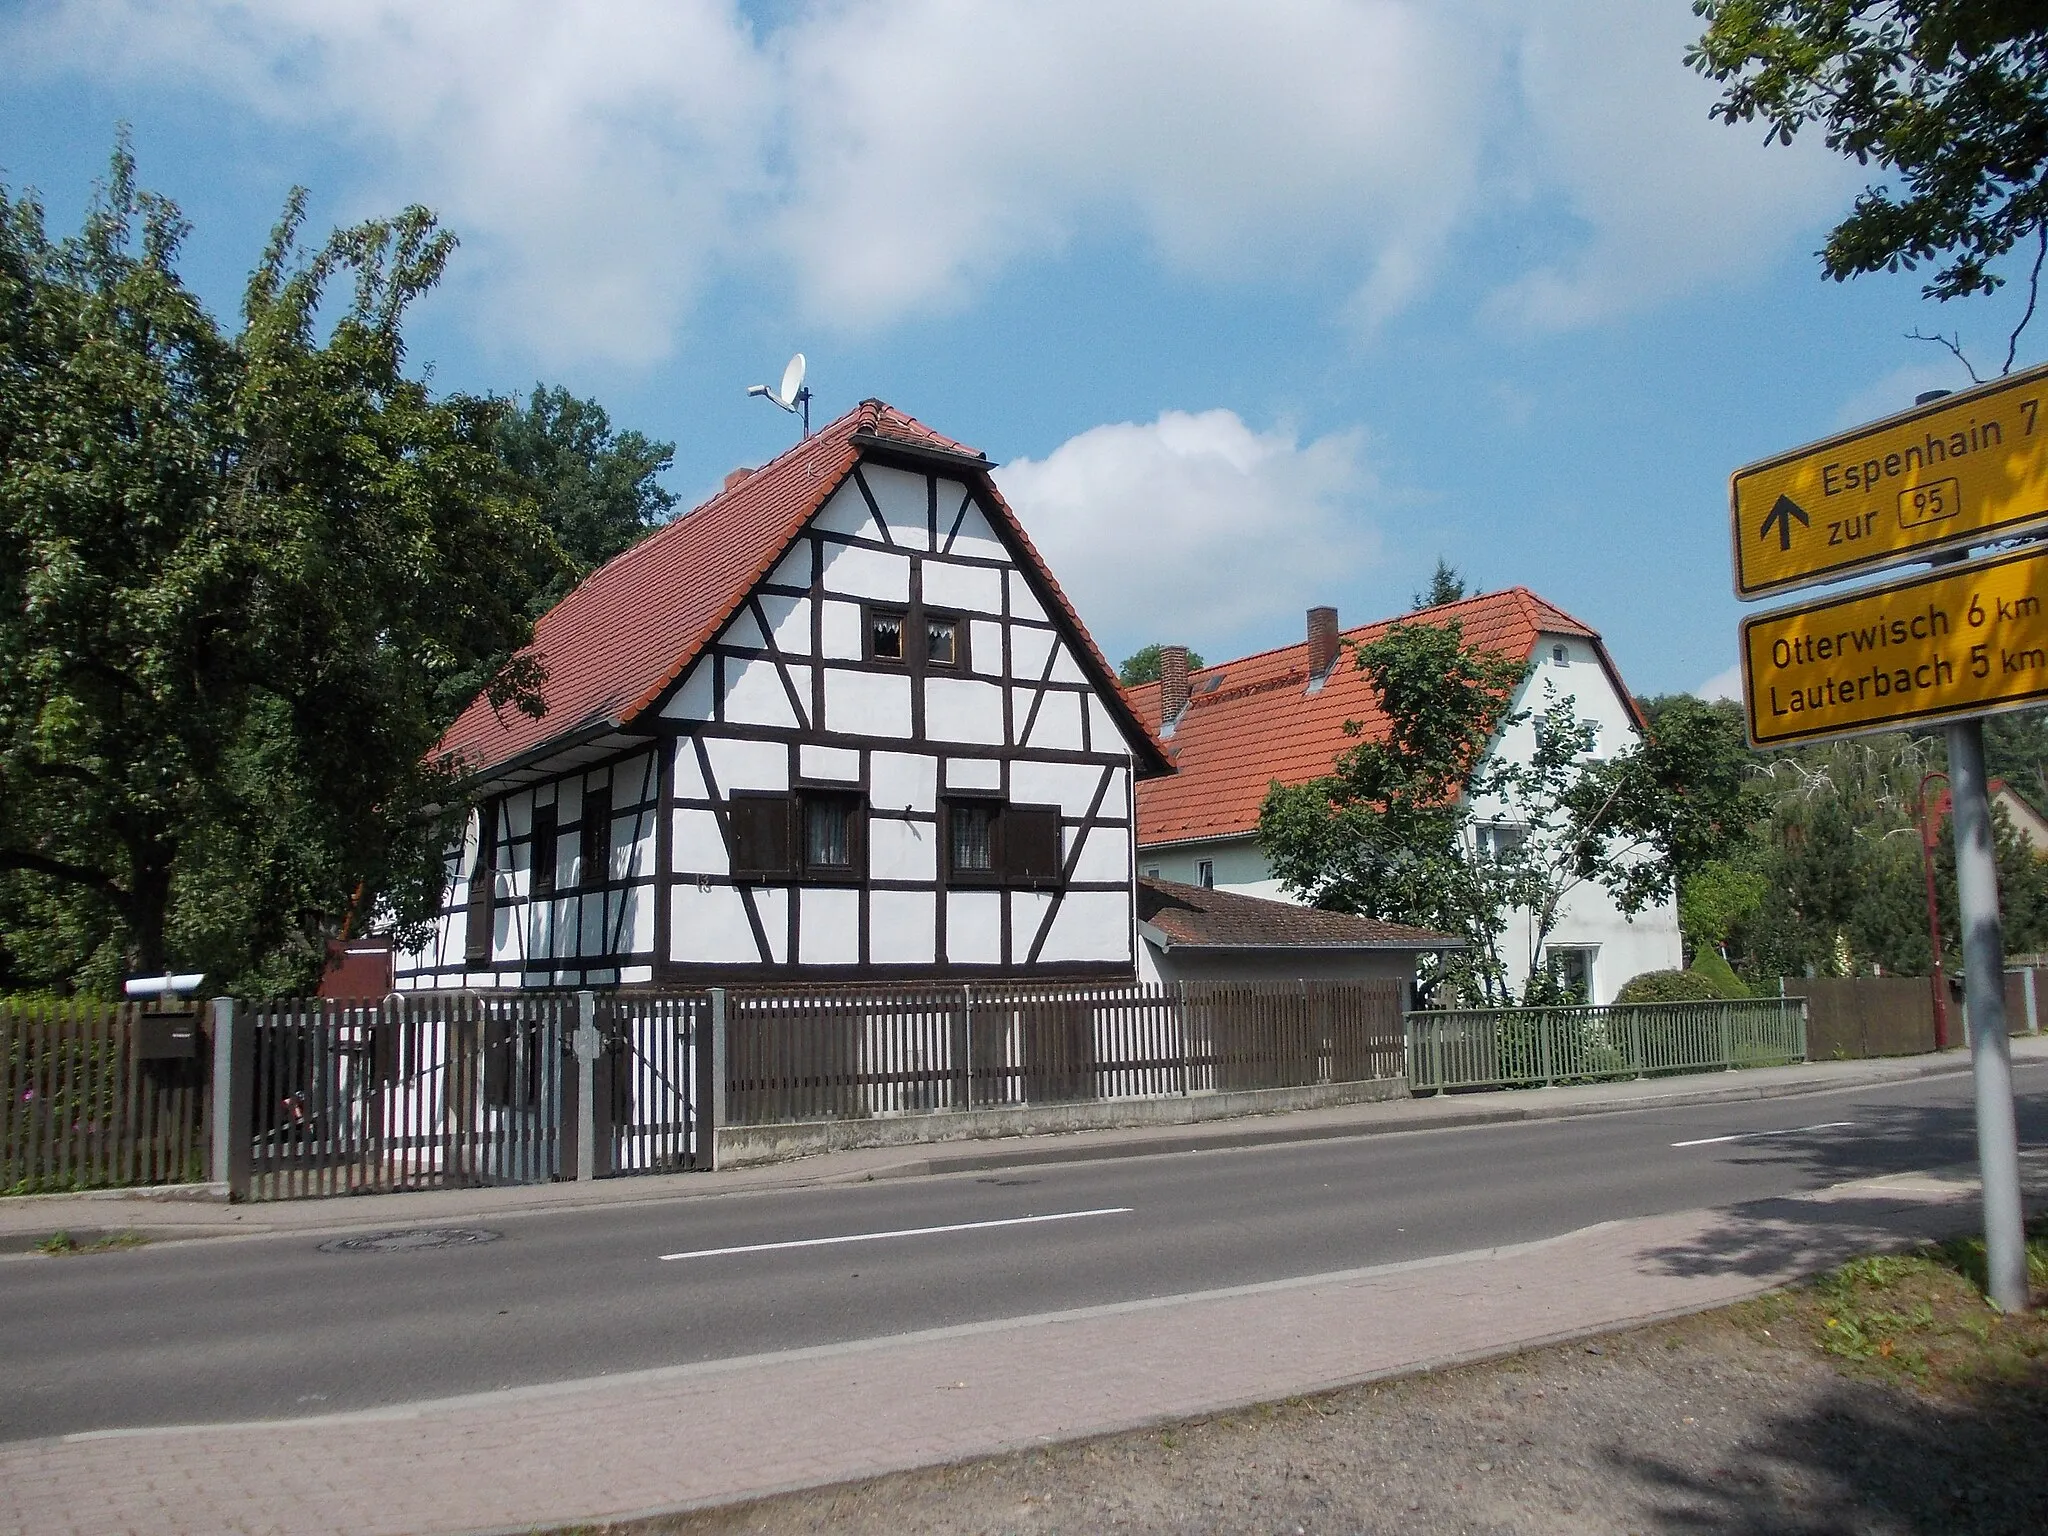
{"x": 1248, "y": 721}
{"x": 631, "y": 628}
{"x": 1207, "y": 919}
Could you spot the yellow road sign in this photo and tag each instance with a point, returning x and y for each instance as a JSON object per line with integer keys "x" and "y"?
{"x": 1964, "y": 640}
{"x": 1959, "y": 471}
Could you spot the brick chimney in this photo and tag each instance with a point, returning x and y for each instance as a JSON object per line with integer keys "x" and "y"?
{"x": 737, "y": 476}
{"x": 1322, "y": 641}
{"x": 1173, "y": 684}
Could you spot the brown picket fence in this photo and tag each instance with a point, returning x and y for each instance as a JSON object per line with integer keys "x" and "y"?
{"x": 850, "y": 1053}
{"x": 95, "y": 1095}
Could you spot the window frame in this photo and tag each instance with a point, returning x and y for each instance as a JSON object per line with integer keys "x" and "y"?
{"x": 916, "y": 620}
{"x": 869, "y": 612}
{"x": 855, "y": 870}
{"x": 594, "y": 840}
{"x": 542, "y": 846}
{"x": 1205, "y": 874}
{"x": 1003, "y": 871}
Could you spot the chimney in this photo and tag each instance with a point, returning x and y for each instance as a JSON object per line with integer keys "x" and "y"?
{"x": 1173, "y": 684}
{"x": 1322, "y": 642}
{"x": 737, "y": 476}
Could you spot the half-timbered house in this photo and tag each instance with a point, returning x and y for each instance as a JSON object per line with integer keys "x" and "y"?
{"x": 839, "y": 722}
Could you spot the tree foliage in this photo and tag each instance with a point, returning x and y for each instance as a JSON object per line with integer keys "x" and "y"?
{"x": 1950, "y": 97}
{"x": 595, "y": 489}
{"x": 241, "y": 576}
{"x": 1445, "y": 586}
{"x": 1422, "y": 822}
{"x": 1142, "y": 666}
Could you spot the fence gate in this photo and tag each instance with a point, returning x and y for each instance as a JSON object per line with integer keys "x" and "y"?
{"x": 415, "y": 1091}
{"x": 646, "y": 1079}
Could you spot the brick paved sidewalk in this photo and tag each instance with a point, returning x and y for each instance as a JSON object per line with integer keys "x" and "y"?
{"x": 708, "y": 1434}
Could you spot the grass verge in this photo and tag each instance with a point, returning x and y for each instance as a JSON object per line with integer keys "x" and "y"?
{"x": 62, "y": 1244}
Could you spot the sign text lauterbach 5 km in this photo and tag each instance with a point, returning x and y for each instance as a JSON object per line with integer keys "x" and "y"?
{"x": 1964, "y": 640}
{"x": 1963, "y": 470}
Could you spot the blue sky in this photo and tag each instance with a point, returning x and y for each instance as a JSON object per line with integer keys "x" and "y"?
{"x": 1259, "y": 306}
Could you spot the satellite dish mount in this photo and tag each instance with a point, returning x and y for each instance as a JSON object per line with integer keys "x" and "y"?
{"x": 794, "y": 396}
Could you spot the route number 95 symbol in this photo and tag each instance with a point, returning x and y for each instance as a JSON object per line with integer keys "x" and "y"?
{"x": 1930, "y": 503}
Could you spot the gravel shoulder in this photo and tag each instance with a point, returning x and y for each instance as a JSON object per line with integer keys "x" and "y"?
{"x": 1880, "y": 1400}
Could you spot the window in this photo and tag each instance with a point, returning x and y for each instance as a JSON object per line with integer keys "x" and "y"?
{"x": 1561, "y": 654}
{"x": 828, "y": 834}
{"x": 815, "y": 834}
{"x": 483, "y": 880}
{"x": 760, "y": 836}
{"x": 916, "y": 637}
{"x": 597, "y": 836}
{"x": 1205, "y": 873}
{"x": 988, "y": 842}
{"x": 1497, "y": 839}
{"x": 885, "y": 635}
{"x": 1573, "y": 971}
{"x": 1151, "y": 871}
{"x": 543, "y": 850}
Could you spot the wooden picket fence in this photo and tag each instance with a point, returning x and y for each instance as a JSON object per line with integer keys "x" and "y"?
{"x": 94, "y": 1095}
{"x": 852, "y": 1053}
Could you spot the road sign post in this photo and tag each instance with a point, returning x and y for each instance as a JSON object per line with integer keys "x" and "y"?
{"x": 1965, "y": 640}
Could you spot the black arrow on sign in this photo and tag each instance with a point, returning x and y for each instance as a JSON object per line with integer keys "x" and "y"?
{"x": 1782, "y": 513}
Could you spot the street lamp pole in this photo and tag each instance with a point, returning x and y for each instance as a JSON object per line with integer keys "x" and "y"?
{"x": 1928, "y": 834}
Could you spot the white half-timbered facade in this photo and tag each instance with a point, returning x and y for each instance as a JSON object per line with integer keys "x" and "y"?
{"x": 839, "y": 723}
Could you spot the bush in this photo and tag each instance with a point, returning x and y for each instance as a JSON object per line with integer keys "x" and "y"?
{"x": 1669, "y": 987}
{"x": 1710, "y": 964}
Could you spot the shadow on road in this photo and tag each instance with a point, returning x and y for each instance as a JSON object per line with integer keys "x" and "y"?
{"x": 1864, "y": 1458}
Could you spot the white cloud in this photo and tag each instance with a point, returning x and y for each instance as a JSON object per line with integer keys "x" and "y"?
{"x": 1897, "y": 390}
{"x": 1194, "y": 526}
{"x": 1666, "y": 198}
{"x": 1723, "y": 685}
{"x": 608, "y": 160}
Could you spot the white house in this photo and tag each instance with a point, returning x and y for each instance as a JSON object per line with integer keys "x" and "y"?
{"x": 837, "y": 722}
{"x": 1232, "y": 729}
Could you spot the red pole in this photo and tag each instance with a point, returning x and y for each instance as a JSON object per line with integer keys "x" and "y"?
{"x": 1928, "y": 835}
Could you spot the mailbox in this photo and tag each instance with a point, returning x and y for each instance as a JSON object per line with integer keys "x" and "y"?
{"x": 167, "y": 1036}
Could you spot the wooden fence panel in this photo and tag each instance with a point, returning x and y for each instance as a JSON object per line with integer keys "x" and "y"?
{"x": 94, "y": 1095}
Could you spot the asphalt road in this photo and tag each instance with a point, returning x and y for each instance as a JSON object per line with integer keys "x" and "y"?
{"x": 247, "y": 1328}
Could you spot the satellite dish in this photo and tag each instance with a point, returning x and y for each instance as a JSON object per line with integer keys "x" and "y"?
{"x": 793, "y": 396}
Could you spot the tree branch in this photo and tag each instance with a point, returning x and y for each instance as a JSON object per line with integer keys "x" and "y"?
{"x": 2012, "y": 345}
{"x": 1955, "y": 345}
{"x": 57, "y": 869}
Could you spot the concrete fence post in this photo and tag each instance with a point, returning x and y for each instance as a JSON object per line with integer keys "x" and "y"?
{"x": 234, "y": 1097}
{"x": 2033, "y": 1007}
{"x": 586, "y": 1086}
{"x": 712, "y": 1086}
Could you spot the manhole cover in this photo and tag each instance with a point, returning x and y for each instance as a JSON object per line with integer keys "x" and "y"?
{"x": 410, "y": 1239}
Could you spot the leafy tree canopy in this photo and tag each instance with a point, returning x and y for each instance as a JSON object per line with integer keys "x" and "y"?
{"x": 1949, "y": 97}
{"x": 596, "y": 490}
{"x": 1143, "y": 666}
{"x": 238, "y": 572}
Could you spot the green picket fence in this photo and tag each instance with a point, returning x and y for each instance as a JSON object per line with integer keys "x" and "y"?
{"x": 1528, "y": 1047}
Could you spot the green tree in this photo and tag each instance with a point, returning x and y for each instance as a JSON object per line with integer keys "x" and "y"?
{"x": 1445, "y": 586}
{"x": 1948, "y": 97}
{"x": 238, "y": 575}
{"x": 1428, "y": 825}
{"x": 596, "y": 489}
{"x": 1143, "y": 666}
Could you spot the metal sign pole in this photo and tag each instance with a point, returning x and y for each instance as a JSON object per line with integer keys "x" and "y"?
{"x": 1990, "y": 1050}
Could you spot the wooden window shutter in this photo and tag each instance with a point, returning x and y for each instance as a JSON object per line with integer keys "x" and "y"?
{"x": 543, "y": 850}
{"x": 483, "y": 879}
{"x": 760, "y": 836}
{"x": 597, "y": 836}
{"x": 1031, "y": 843}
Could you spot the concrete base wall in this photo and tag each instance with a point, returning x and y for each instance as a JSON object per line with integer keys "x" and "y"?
{"x": 747, "y": 1145}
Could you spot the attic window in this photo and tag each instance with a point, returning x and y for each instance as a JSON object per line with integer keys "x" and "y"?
{"x": 885, "y": 635}
{"x": 942, "y": 642}
{"x": 1561, "y": 654}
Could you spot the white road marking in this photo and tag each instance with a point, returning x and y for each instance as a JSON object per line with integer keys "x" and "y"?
{"x": 1797, "y": 1130}
{"x": 875, "y": 1237}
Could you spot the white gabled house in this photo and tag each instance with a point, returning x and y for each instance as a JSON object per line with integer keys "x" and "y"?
{"x": 838, "y": 722}
{"x": 1234, "y": 728}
